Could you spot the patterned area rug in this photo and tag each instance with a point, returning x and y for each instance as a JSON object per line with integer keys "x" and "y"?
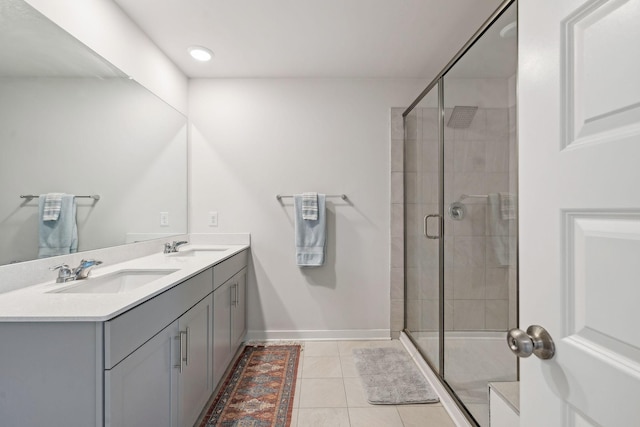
{"x": 258, "y": 392}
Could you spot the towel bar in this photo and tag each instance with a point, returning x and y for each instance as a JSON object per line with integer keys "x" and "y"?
{"x": 472, "y": 196}
{"x": 342, "y": 196}
{"x": 31, "y": 196}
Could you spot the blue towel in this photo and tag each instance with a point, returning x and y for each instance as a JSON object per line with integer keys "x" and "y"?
{"x": 310, "y": 235}
{"x": 59, "y": 237}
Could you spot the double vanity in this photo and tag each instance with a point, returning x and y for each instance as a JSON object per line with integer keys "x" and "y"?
{"x": 143, "y": 342}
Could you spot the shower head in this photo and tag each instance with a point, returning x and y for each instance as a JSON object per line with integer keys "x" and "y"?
{"x": 461, "y": 117}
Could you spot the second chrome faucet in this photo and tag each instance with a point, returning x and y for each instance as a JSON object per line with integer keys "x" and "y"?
{"x": 173, "y": 247}
{"x": 67, "y": 274}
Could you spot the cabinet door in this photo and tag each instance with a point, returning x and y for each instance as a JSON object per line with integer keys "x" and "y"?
{"x": 238, "y": 309}
{"x": 142, "y": 389}
{"x": 195, "y": 342}
{"x": 221, "y": 330}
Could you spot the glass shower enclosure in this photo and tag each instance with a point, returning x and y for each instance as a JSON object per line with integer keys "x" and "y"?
{"x": 460, "y": 177}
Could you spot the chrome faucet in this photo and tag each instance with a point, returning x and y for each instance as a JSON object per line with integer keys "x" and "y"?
{"x": 82, "y": 271}
{"x": 173, "y": 247}
{"x": 66, "y": 274}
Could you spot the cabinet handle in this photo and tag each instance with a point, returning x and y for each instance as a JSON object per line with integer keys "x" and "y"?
{"x": 179, "y": 365}
{"x": 236, "y": 298}
{"x": 186, "y": 347}
{"x": 181, "y": 357}
{"x": 234, "y": 301}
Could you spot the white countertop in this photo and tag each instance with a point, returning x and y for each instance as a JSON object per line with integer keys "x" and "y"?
{"x": 37, "y": 303}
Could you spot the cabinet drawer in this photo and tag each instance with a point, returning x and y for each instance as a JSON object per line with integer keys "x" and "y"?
{"x": 226, "y": 269}
{"x": 133, "y": 328}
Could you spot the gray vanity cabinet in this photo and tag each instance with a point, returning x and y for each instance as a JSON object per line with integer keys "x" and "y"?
{"x": 51, "y": 374}
{"x": 229, "y": 311}
{"x": 221, "y": 330}
{"x": 143, "y": 388}
{"x": 165, "y": 381}
{"x": 238, "y": 309}
{"x": 155, "y": 364}
{"x": 165, "y": 378}
{"x": 194, "y": 386}
{"x": 229, "y": 324}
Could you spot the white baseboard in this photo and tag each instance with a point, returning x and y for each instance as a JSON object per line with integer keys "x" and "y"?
{"x": 320, "y": 335}
{"x": 447, "y": 401}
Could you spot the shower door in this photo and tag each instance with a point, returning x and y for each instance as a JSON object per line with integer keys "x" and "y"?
{"x": 422, "y": 208}
{"x": 461, "y": 218}
{"x": 480, "y": 182}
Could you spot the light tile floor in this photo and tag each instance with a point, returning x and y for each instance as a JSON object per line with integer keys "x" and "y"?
{"x": 330, "y": 394}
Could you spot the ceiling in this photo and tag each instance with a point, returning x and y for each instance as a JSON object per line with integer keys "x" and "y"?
{"x": 311, "y": 38}
{"x": 493, "y": 55}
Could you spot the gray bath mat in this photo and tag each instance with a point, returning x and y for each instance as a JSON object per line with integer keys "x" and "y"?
{"x": 390, "y": 377}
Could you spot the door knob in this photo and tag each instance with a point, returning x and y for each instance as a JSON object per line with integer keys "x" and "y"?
{"x": 535, "y": 341}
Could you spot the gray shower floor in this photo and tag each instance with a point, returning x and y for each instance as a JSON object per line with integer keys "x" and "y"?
{"x": 472, "y": 361}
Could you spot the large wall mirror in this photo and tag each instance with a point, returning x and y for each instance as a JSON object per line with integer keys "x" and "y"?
{"x": 70, "y": 122}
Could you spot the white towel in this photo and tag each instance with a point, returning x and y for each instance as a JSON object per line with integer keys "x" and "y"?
{"x": 310, "y": 236}
{"x": 52, "y": 204}
{"x": 498, "y": 231}
{"x": 507, "y": 206}
{"x": 310, "y": 206}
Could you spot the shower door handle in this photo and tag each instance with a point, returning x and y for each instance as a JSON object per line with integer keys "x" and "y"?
{"x": 535, "y": 341}
{"x": 424, "y": 226}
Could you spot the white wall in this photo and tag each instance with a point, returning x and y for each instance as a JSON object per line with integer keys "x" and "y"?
{"x": 105, "y": 28}
{"x": 252, "y": 139}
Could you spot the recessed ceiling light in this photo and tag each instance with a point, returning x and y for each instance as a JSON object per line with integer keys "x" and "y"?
{"x": 200, "y": 53}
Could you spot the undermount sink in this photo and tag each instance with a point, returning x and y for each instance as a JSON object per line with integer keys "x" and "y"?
{"x": 196, "y": 252}
{"x": 113, "y": 283}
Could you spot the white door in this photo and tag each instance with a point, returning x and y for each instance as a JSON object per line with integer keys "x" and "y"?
{"x": 579, "y": 136}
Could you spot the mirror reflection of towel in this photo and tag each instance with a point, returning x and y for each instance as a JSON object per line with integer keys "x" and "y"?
{"x": 59, "y": 237}
{"x": 52, "y": 206}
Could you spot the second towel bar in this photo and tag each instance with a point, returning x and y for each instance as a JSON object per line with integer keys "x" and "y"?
{"x": 31, "y": 196}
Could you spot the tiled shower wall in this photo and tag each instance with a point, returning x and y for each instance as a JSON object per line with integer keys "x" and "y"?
{"x": 476, "y": 283}
{"x": 480, "y": 294}
{"x": 397, "y": 223}
{"x": 421, "y": 185}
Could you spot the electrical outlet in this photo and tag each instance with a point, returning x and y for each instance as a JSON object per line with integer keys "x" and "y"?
{"x": 213, "y": 219}
{"x": 164, "y": 219}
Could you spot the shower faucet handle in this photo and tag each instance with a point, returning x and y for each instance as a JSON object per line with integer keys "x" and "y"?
{"x": 457, "y": 210}
{"x": 535, "y": 341}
